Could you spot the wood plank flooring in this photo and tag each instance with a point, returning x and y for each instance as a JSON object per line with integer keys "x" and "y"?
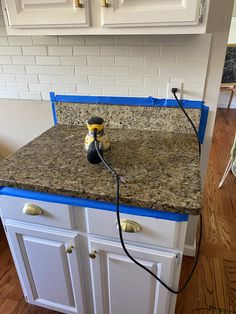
{"x": 212, "y": 289}
{"x": 213, "y": 286}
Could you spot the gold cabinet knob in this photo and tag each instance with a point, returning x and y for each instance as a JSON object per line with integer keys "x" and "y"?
{"x": 69, "y": 249}
{"x": 78, "y": 4}
{"x": 129, "y": 226}
{"x": 93, "y": 254}
{"x": 104, "y": 3}
{"x": 32, "y": 209}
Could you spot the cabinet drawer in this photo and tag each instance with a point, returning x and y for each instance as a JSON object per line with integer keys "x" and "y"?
{"x": 52, "y": 214}
{"x": 153, "y": 231}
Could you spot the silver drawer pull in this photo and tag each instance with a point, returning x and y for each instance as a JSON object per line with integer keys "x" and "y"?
{"x": 130, "y": 226}
{"x": 32, "y": 209}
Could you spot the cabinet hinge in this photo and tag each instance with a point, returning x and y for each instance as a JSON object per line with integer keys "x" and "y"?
{"x": 202, "y": 10}
{"x": 177, "y": 256}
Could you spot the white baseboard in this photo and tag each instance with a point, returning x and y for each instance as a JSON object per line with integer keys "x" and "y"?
{"x": 190, "y": 250}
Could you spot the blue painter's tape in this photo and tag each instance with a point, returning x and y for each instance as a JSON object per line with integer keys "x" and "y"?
{"x": 131, "y": 101}
{"x": 74, "y": 201}
{"x": 54, "y": 114}
{"x": 203, "y": 123}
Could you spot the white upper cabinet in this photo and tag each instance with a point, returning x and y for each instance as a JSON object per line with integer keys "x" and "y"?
{"x": 47, "y": 13}
{"x": 139, "y": 13}
{"x": 100, "y": 17}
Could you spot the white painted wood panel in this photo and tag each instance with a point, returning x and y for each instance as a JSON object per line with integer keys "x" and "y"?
{"x": 128, "y": 13}
{"x": 47, "y": 13}
{"x": 53, "y": 214}
{"x": 159, "y": 232}
{"x": 120, "y": 286}
{"x": 49, "y": 276}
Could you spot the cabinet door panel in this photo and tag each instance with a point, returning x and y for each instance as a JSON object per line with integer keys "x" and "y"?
{"x": 120, "y": 286}
{"x": 47, "y": 13}
{"x": 150, "y": 12}
{"x": 49, "y": 276}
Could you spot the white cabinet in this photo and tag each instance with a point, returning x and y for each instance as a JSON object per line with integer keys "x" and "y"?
{"x": 100, "y": 17}
{"x": 50, "y": 277}
{"x": 47, "y": 13}
{"x": 120, "y": 286}
{"x": 127, "y": 13}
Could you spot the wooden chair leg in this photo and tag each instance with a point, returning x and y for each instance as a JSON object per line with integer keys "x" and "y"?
{"x": 231, "y": 96}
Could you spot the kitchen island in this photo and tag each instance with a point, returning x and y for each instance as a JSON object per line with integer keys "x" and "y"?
{"x": 58, "y": 212}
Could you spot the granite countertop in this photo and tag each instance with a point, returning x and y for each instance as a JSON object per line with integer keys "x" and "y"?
{"x": 161, "y": 169}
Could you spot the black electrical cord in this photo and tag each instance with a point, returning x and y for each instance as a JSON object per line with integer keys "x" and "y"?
{"x": 174, "y": 91}
{"x": 115, "y": 174}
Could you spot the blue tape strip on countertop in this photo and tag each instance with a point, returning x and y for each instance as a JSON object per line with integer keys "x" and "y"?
{"x": 54, "y": 114}
{"x": 131, "y": 101}
{"x": 74, "y": 201}
{"x": 203, "y": 123}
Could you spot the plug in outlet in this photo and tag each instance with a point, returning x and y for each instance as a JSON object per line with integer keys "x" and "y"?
{"x": 178, "y": 85}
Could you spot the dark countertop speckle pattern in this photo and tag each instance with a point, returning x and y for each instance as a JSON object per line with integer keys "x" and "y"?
{"x": 161, "y": 169}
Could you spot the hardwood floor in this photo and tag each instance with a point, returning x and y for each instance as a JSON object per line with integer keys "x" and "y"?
{"x": 213, "y": 286}
{"x": 212, "y": 289}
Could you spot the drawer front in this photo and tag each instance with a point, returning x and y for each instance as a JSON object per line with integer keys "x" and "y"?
{"x": 51, "y": 214}
{"x": 153, "y": 231}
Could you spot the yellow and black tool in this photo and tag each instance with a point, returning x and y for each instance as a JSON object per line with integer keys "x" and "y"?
{"x": 95, "y": 127}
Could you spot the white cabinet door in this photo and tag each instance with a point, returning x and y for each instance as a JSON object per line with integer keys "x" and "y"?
{"x": 49, "y": 276}
{"x": 47, "y": 13}
{"x": 120, "y": 286}
{"x": 140, "y": 13}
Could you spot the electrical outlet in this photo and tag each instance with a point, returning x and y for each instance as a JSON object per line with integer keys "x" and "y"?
{"x": 178, "y": 85}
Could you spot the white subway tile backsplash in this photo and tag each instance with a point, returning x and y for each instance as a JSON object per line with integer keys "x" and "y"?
{"x": 129, "y": 81}
{"x": 9, "y": 94}
{"x": 54, "y": 69}
{"x": 38, "y": 87}
{"x": 5, "y": 59}
{"x": 115, "y": 70}
{"x": 13, "y": 69}
{"x": 144, "y": 91}
{"x": 23, "y": 60}
{"x": 99, "y": 40}
{"x": 73, "y": 60}
{"x": 50, "y": 78}
{"x": 71, "y": 40}
{"x": 20, "y": 40}
{"x": 145, "y": 51}
{"x": 75, "y": 79}
{"x": 86, "y": 51}
{"x": 30, "y": 95}
{"x": 34, "y": 51}
{"x": 129, "y": 61}
{"x": 17, "y": 86}
{"x": 59, "y": 51}
{"x": 89, "y": 89}
{"x": 46, "y": 60}
{"x": 44, "y": 40}
{"x": 87, "y": 70}
{"x": 115, "y": 51}
{"x": 101, "y": 80}
{"x": 10, "y": 51}
{"x": 27, "y": 78}
{"x": 7, "y": 78}
{"x": 125, "y": 65}
{"x": 3, "y": 41}
{"x": 3, "y": 86}
{"x": 115, "y": 90}
{"x": 63, "y": 88}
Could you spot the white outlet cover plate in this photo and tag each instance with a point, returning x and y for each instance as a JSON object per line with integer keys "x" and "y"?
{"x": 178, "y": 85}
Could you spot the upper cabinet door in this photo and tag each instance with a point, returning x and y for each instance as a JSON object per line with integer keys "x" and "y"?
{"x": 47, "y": 13}
{"x": 128, "y": 13}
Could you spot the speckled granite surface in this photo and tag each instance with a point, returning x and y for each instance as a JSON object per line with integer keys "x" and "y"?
{"x": 161, "y": 169}
{"x": 128, "y": 117}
